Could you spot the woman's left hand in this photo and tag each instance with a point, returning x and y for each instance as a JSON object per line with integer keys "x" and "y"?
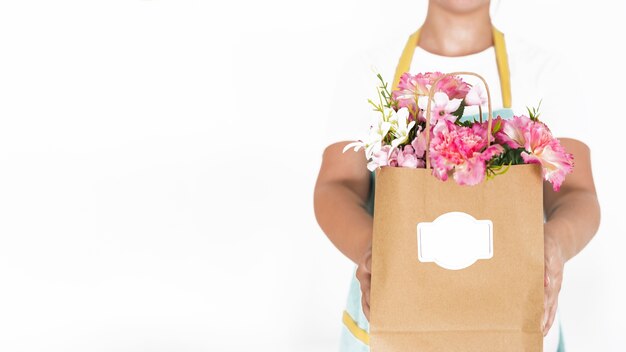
{"x": 554, "y": 262}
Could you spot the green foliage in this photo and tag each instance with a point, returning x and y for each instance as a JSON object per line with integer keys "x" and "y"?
{"x": 497, "y": 125}
{"x": 534, "y": 113}
{"x": 500, "y": 164}
{"x": 508, "y": 157}
{"x": 493, "y": 171}
{"x": 384, "y": 93}
{"x": 467, "y": 123}
{"x": 459, "y": 112}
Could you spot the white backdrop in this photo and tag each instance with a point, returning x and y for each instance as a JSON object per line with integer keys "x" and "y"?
{"x": 157, "y": 163}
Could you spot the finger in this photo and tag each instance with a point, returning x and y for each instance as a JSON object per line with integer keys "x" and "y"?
{"x": 546, "y": 279}
{"x": 365, "y": 279}
{"x": 366, "y": 261}
{"x": 546, "y": 310}
{"x": 362, "y": 274}
{"x": 366, "y": 308}
{"x": 550, "y": 321}
{"x": 546, "y": 319}
{"x": 359, "y": 273}
{"x": 548, "y": 299}
{"x": 365, "y": 287}
{"x": 551, "y": 301}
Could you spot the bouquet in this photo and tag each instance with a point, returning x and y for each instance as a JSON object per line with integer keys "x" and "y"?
{"x": 468, "y": 151}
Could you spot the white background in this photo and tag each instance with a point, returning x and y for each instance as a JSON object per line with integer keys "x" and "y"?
{"x": 157, "y": 163}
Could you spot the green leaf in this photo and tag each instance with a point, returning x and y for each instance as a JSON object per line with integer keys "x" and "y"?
{"x": 534, "y": 113}
{"x": 497, "y": 126}
{"x": 467, "y": 123}
{"x": 459, "y": 112}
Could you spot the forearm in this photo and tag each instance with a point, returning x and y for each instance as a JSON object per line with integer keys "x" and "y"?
{"x": 341, "y": 214}
{"x": 573, "y": 220}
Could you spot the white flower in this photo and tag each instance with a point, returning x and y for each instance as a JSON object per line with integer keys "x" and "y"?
{"x": 372, "y": 143}
{"x": 400, "y": 129}
{"x": 389, "y": 121}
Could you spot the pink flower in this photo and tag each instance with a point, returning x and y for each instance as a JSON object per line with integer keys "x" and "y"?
{"x": 413, "y": 87}
{"x": 409, "y": 88}
{"x": 513, "y": 130}
{"x": 383, "y": 157}
{"x": 462, "y": 151}
{"x": 408, "y": 157}
{"x": 476, "y": 96}
{"x": 442, "y": 107}
{"x": 419, "y": 143}
{"x": 540, "y": 147}
{"x": 411, "y": 155}
{"x": 453, "y": 86}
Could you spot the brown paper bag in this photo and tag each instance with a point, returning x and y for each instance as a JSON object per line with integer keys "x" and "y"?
{"x": 457, "y": 268}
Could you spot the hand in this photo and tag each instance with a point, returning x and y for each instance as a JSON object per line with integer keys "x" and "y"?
{"x": 554, "y": 262}
{"x": 364, "y": 275}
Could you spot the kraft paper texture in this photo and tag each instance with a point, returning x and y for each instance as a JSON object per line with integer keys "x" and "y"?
{"x": 495, "y": 304}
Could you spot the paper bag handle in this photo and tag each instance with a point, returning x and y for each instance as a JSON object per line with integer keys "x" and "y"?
{"x": 431, "y": 94}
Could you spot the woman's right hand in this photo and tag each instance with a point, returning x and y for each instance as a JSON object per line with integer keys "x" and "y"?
{"x": 364, "y": 275}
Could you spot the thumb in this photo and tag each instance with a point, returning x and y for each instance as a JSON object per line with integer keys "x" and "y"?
{"x": 368, "y": 263}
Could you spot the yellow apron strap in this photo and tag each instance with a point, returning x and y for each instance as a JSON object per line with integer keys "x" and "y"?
{"x": 352, "y": 326}
{"x": 405, "y": 59}
{"x": 404, "y": 64}
{"x": 503, "y": 67}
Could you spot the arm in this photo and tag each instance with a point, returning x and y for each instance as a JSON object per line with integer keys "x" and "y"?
{"x": 339, "y": 200}
{"x": 340, "y": 195}
{"x": 573, "y": 213}
{"x": 573, "y": 217}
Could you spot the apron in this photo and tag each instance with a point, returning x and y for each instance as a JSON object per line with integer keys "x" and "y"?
{"x": 355, "y": 331}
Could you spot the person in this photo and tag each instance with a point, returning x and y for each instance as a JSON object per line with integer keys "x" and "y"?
{"x": 458, "y": 36}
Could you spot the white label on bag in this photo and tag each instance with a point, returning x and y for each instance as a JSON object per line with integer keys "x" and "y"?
{"x": 454, "y": 240}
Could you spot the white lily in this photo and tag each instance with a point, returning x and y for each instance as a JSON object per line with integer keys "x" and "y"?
{"x": 401, "y": 128}
{"x": 373, "y": 142}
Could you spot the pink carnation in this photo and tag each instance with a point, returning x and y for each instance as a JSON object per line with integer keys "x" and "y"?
{"x": 540, "y": 147}
{"x": 461, "y": 150}
{"x": 409, "y": 88}
{"x": 453, "y": 86}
